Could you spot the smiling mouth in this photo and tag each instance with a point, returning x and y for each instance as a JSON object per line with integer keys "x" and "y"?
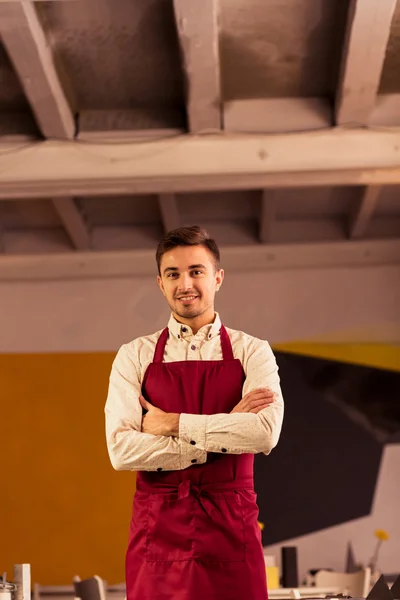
{"x": 187, "y": 299}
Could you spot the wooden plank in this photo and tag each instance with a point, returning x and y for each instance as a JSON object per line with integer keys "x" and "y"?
{"x": 275, "y": 115}
{"x": 169, "y": 211}
{"x": 84, "y": 265}
{"x": 366, "y": 39}
{"x": 267, "y": 215}
{"x": 197, "y": 26}
{"x": 362, "y": 216}
{"x": 2, "y": 243}
{"x": 25, "y": 41}
{"x": 73, "y": 222}
{"x": 191, "y": 163}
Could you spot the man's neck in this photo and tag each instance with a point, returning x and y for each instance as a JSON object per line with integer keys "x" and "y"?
{"x": 197, "y": 322}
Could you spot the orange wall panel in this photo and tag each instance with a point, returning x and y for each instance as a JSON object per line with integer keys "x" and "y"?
{"x": 64, "y": 510}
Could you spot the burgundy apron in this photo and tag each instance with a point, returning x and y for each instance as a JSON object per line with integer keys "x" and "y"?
{"x": 194, "y": 533}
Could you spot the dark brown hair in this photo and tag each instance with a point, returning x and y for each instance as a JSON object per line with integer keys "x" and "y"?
{"x": 187, "y": 236}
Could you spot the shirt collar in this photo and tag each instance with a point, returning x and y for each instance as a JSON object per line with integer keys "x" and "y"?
{"x": 179, "y": 330}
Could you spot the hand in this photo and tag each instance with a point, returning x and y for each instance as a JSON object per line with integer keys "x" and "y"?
{"x": 255, "y": 401}
{"x": 158, "y": 422}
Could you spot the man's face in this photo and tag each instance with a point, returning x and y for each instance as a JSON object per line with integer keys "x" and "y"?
{"x": 189, "y": 280}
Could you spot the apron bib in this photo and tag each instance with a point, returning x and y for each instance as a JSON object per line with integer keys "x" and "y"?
{"x": 194, "y": 533}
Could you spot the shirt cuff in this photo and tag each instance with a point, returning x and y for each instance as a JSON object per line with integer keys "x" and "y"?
{"x": 192, "y": 429}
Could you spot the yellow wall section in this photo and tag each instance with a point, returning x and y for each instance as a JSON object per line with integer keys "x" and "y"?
{"x": 380, "y": 356}
{"x": 63, "y": 508}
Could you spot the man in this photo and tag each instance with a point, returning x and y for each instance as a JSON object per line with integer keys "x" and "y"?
{"x": 211, "y": 399}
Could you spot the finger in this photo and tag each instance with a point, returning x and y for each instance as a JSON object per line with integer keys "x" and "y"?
{"x": 253, "y": 396}
{"x": 146, "y": 405}
{"x": 267, "y": 393}
{"x": 261, "y": 401}
{"x": 263, "y": 398}
{"x": 254, "y": 393}
{"x": 259, "y": 408}
{"x": 252, "y": 402}
{"x": 264, "y": 393}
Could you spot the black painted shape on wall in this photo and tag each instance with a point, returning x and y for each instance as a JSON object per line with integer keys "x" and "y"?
{"x": 380, "y": 591}
{"x": 395, "y": 589}
{"x": 351, "y": 564}
{"x": 324, "y": 469}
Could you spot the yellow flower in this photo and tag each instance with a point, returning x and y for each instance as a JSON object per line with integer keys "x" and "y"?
{"x": 382, "y": 535}
{"x": 261, "y": 525}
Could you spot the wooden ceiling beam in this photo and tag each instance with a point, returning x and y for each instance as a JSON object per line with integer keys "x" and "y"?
{"x": 365, "y": 209}
{"x": 169, "y": 211}
{"x": 190, "y": 163}
{"x": 2, "y": 243}
{"x": 131, "y": 263}
{"x": 197, "y": 26}
{"x": 31, "y": 55}
{"x": 366, "y": 39}
{"x": 267, "y": 215}
{"x": 73, "y": 222}
{"x": 26, "y": 44}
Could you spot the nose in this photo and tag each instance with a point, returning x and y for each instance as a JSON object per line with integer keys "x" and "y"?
{"x": 185, "y": 282}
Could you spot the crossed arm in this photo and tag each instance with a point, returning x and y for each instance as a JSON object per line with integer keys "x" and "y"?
{"x": 164, "y": 441}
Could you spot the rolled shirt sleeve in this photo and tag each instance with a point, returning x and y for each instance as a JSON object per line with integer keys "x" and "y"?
{"x": 129, "y": 448}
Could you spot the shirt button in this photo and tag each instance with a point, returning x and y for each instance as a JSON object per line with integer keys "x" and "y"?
{"x": 223, "y": 449}
{"x": 159, "y": 469}
{"x": 193, "y": 347}
{"x": 193, "y": 442}
{"x": 194, "y": 460}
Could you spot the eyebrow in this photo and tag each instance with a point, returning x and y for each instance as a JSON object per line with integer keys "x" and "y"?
{"x": 174, "y": 269}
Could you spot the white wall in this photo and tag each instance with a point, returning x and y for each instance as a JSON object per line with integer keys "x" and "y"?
{"x": 331, "y": 305}
{"x": 328, "y": 548}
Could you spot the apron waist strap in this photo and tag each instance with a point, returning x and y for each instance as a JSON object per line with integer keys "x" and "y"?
{"x": 187, "y": 487}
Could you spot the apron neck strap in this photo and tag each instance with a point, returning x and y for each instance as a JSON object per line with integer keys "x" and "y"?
{"x": 226, "y": 346}
{"x": 160, "y": 347}
{"x": 227, "y": 352}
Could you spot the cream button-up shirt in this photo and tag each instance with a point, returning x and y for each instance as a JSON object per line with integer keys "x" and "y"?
{"x": 131, "y": 449}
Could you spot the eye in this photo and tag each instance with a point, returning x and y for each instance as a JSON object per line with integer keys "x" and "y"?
{"x": 197, "y": 272}
{"x": 172, "y": 275}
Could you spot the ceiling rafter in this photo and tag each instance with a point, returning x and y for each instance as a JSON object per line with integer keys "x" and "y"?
{"x": 267, "y": 215}
{"x": 366, "y": 39}
{"x": 197, "y": 26}
{"x": 365, "y": 209}
{"x": 2, "y": 242}
{"x": 29, "y": 50}
{"x": 73, "y": 222}
{"x": 168, "y": 205}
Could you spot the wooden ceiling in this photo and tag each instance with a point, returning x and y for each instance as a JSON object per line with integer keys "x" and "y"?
{"x": 273, "y": 123}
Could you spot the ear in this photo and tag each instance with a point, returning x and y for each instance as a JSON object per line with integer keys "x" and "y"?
{"x": 219, "y": 277}
{"x": 160, "y": 284}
